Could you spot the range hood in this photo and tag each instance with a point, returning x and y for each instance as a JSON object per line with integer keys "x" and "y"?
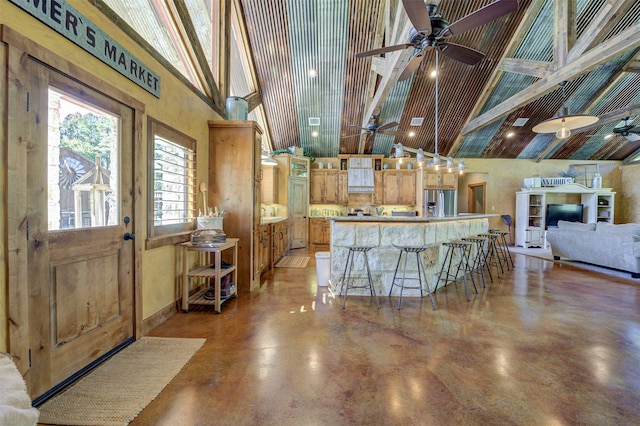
{"x": 360, "y": 175}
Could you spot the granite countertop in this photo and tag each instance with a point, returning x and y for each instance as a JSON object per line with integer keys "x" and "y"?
{"x": 463, "y": 216}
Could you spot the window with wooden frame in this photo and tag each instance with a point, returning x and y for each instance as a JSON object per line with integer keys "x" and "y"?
{"x": 171, "y": 198}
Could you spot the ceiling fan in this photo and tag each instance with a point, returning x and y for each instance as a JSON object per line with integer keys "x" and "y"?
{"x": 627, "y": 130}
{"x": 431, "y": 30}
{"x": 373, "y": 127}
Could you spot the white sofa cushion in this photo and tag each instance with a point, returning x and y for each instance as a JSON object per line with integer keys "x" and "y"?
{"x": 623, "y": 228}
{"x": 578, "y": 226}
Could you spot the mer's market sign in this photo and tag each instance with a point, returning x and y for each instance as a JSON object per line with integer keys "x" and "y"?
{"x": 63, "y": 18}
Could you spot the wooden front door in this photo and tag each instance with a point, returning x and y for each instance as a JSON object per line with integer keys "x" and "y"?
{"x": 74, "y": 282}
{"x": 298, "y": 208}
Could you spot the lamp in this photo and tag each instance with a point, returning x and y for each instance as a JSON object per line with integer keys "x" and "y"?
{"x": 564, "y": 123}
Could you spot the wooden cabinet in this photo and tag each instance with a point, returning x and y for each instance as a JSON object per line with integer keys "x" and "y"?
{"x": 234, "y": 186}
{"x": 378, "y": 190}
{"x": 441, "y": 179}
{"x": 279, "y": 240}
{"x": 399, "y": 187}
{"x": 343, "y": 195}
{"x": 211, "y": 270}
{"x": 269, "y": 185}
{"x": 323, "y": 186}
{"x": 319, "y": 231}
{"x": 263, "y": 247}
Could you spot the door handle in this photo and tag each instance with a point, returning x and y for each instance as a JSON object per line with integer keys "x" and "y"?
{"x": 129, "y": 236}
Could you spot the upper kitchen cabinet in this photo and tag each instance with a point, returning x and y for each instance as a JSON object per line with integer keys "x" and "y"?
{"x": 234, "y": 186}
{"x": 440, "y": 179}
{"x": 323, "y": 186}
{"x": 399, "y": 187}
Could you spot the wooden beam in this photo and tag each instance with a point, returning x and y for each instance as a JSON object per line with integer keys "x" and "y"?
{"x": 632, "y": 66}
{"x": 522, "y": 66}
{"x": 564, "y": 30}
{"x": 608, "y": 16}
{"x": 523, "y": 28}
{"x": 180, "y": 15}
{"x": 395, "y": 63}
{"x": 254, "y": 100}
{"x": 605, "y": 52}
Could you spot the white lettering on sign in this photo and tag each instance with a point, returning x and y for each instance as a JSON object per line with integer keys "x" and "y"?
{"x": 64, "y": 19}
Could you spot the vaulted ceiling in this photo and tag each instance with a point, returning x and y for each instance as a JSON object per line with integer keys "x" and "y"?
{"x": 593, "y": 45}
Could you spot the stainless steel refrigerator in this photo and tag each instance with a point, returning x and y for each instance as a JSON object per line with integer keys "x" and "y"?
{"x": 440, "y": 202}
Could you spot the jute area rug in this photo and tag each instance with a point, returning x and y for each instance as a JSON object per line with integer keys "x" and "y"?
{"x": 293, "y": 262}
{"x": 119, "y": 389}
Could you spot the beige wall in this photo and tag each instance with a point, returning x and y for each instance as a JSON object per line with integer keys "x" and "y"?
{"x": 505, "y": 178}
{"x": 178, "y": 107}
{"x": 630, "y": 193}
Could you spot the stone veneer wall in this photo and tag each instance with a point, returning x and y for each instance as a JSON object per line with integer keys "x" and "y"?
{"x": 384, "y": 257}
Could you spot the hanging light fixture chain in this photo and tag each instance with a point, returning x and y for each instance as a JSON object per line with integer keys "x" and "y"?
{"x": 436, "y": 111}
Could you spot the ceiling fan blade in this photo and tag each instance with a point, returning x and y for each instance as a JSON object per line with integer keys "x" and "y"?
{"x": 392, "y": 133}
{"x": 418, "y": 15}
{"x": 388, "y": 125}
{"x": 482, "y": 16}
{"x": 383, "y": 50}
{"x": 357, "y": 127}
{"x": 461, "y": 53}
{"x": 413, "y": 65}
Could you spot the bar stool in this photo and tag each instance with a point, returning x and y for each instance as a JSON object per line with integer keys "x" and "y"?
{"x": 504, "y": 246}
{"x": 493, "y": 253}
{"x": 346, "y": 278}
{"x": 479, "y": 262}
{"x": 457, "y": 248}
{"x": 405, "y": 250}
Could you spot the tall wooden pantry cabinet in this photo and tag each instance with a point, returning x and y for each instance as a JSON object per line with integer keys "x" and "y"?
{"x": 234, "y": 186}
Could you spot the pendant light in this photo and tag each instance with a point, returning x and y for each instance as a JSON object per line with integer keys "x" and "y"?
{"x": 564, "y": 123}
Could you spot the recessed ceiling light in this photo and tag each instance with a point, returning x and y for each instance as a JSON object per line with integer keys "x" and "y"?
{"x": 608, "y": 136}
{"x": 510, "y": 134}
{"x": 417, "y": 121}
{"x": 520, "y": 122}
{"x": 314, "y": 134}
{"x": 313, "y": 73}
{"x": 433, "y": 73}
{"x": 412, "y": 134}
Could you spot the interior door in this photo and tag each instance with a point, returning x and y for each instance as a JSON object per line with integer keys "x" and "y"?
{"x": 79, "y": 267}
{"x": 476, "y": 197}
{"x": 298, "y": 208}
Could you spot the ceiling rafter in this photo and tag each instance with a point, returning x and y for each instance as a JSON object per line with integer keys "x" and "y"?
{"x": 522, "y": 66}
{"x": 564, "y": 30}
{"x": 608, "y": 16}
{"x": 395, "y": 63}
{"x": 182, "y": 22}
{"x": 523, "y": 28}
{"x": 627, "y": 40}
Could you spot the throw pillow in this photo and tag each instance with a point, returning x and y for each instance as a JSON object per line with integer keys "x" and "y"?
{"x": 577, "y": 226}
{"x": 623, "y": 228}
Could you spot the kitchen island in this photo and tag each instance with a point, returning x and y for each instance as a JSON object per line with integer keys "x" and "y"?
{"x": 381, "y": 232}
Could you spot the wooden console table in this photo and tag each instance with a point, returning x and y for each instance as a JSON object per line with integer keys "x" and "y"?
{"x": 209, "y": 271}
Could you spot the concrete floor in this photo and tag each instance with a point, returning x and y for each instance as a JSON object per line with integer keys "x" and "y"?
{"x": 547, "y": 344}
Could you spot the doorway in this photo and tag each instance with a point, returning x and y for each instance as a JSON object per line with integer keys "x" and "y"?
{"x": 74, "y": 289}
{"x": 477, "y": 195}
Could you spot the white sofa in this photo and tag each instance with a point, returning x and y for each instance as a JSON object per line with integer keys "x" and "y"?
{"x": 603, "y": 244}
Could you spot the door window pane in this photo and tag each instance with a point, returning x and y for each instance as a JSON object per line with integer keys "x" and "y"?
{"x": 82, "y": 173}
